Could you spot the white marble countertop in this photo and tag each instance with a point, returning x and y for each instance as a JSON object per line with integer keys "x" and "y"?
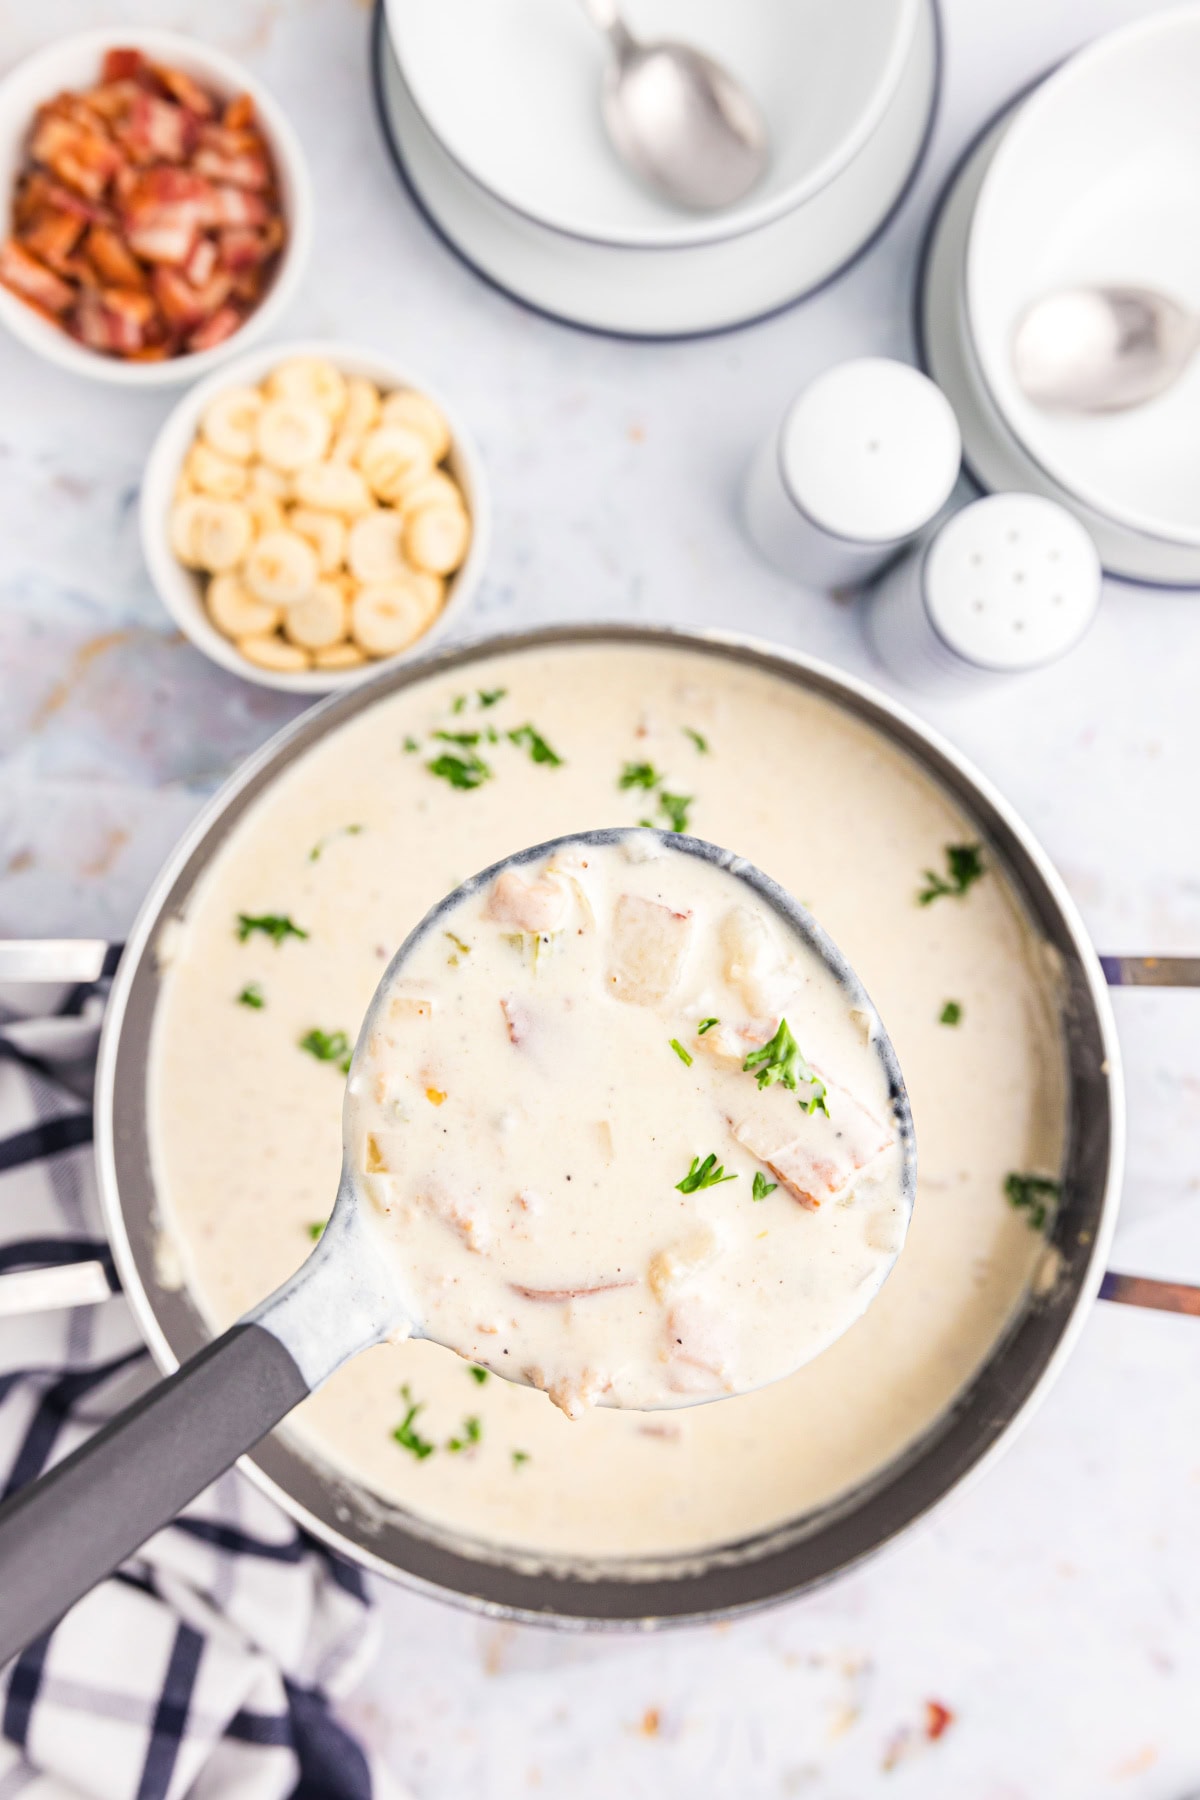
{"x": 1054, "y": 1607}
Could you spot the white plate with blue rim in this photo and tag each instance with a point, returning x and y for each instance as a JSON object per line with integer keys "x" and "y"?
{"x": 681, "y": 289}
{"x": 992, "y": 454}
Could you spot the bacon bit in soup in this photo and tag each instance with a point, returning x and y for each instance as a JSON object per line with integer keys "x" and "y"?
{"x": 146, "y": 221}
{"x": 560, "y": 1296}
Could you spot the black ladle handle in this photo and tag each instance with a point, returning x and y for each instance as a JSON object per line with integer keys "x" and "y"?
{"x": 62, "y": 1534}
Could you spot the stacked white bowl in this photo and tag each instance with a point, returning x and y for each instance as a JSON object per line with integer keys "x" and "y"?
{"x": 1090, "y": 179}
{"x": 492, "y": 110}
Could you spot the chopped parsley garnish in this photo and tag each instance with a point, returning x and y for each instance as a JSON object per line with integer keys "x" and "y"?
{"x": 316, "y": 1228}
{"x": 276, "y": 926}
{"x": 406, "y": 1435}
{"x": 519, "y": 1457}
{"x": 964, "y": 866}
{"x": 458, "y": 737}
{"x": 780, "y": 1059}
{"x": 700, "y": 741}
{"x": 951, "y": 1013}
{"x": 314, "y": 854}
{"x": 681, "y": 1053}
{"x": 329, "y": 1046}
{"x": 639, "y": 775}
{"x": 252, "y": 995}
{"x": 472, "y": 1431}
{"x": 489, "y": 696}
{"x": 706, "y": 1025}
{"x": 1036, "y": 1195}
{"x": 762, "y": 1187}
{"x": 474, "y": 1371}
{"x": 459, "y": 703}
{"x": 539, "y": 750}
{"x": 411, "y": 746}
{"x": 706, "y": 1174}
{"x": 465, "y": 771}
{"x": 676, "y": 808}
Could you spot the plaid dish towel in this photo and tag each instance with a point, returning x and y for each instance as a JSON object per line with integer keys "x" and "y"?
{"x": 206, "y": 1666}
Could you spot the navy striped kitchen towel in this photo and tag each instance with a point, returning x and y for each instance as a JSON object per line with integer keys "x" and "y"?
{"x": 208, "y": 1665}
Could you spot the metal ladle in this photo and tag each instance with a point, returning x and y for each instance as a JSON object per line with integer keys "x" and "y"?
{"x": 63, "y": 1533}
{"x": 680, "y": 120}
{"x": 1102, "y": 349}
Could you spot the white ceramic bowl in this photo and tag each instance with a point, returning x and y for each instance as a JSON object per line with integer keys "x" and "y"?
{"x": 74, "y": 62}
{"x": 1096, "y": 181}
{"x": 181, "y": 589}
{"x": 688, "y": 289}
{"x": 511, "y": 90}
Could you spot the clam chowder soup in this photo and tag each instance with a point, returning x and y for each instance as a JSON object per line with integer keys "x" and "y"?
{"x": 267, "y": 979}
{"x": 729, "y": 1208}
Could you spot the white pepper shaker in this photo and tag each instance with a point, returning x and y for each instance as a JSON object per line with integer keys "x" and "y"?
{"x": 1006, "y": 585}
{"x": 865, "y": 457}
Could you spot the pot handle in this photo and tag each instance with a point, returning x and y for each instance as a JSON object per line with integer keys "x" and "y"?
{"x": 1145, "y": 1290}
{"x": 62, "y": 1534}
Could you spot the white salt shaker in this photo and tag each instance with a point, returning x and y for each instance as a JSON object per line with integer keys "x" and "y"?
{"x": 1009, "y": 583}
{"x": 864, "y": 458}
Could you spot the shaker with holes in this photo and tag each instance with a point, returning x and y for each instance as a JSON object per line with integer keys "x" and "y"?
{"x": 865, "y": 457}
{"x": 1006, "y": 585}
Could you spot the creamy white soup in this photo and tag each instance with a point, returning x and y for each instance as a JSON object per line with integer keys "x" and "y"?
{"x": 286, "y": 939}
{"x": 601, "y": 1163}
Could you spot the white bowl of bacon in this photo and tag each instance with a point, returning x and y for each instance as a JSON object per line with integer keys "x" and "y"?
{"x": 158, "y": 213}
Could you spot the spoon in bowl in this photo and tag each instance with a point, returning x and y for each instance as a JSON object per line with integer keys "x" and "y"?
{"x": 530, "y": 1177}
{"x": 681, "y": 121}
{"x": 1102, "y": 349}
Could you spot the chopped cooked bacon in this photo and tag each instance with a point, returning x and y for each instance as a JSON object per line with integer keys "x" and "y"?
{"x": 188, "y": 92}
{"x": 113, "y": 262}
{"x": 185, "y": 307}
{"x": 163, "y": 213}
{"x": 243, "y": 248}
{"x": 26, "y": 276}
{"x": 130, "y": 187}
{"x": 202, "y": 262}
{"x": 229, "y": 140}
{"x": 814, "y": 1158}
{"x": 239, "y": 113}
{"x": 222, "y": 325}
{"x": 559, "y": 1296}
{"x": 82, "y": 158}
{"x": 247, "y": 289}
{"x": 236, "y": 206}
{"x": 52, "y": 239}
{"x": 248, "y": 169}
{"x": 155, "y": 130}
{"x": 240, "y": 248}
{"x": 121, "y": 65}
{"x": 115, "y": 320}
{"x": 37, "y": 194}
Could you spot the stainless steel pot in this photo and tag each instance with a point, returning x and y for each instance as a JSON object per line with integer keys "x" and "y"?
{"x": 764, "y": 1568}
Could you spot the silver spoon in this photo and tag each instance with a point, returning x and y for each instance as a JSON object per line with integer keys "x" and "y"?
{"x": 680, "y": 120}
{"x": 63, "y": 1533}
{"x": 1101, "y": 349}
